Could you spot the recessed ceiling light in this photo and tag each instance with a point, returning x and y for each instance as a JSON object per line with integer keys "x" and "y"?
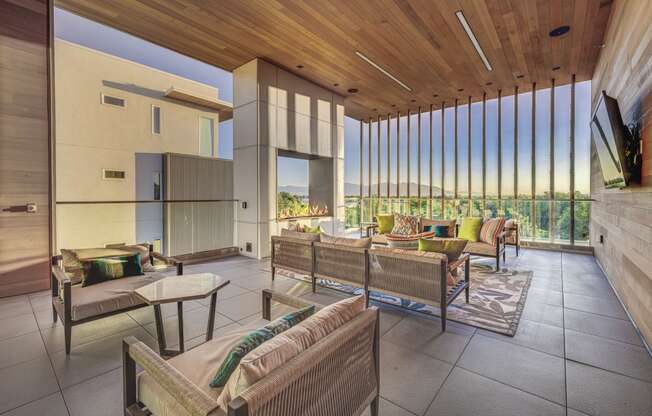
{"x": 413, "y": 100}
{"x": 555, "y": 68}
{"x": 375, "y": 110}
{"x": 336, "y": 85}
{"x": 378, "y": 67}
{"x": 488, "y": 83}
{"x": 352, "y": 90}
{"x": 435, "y": 95}
{"x": 474, "y": 40}
{"x": 519, "y": 76}
{"x": 558, "y": 31}
{"x": 460, "y": 90}
{"x": 299, "y": 66}
{"x": 393, "y": 105}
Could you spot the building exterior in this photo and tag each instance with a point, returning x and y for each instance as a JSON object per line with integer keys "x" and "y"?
{"x": 113, "y": 124}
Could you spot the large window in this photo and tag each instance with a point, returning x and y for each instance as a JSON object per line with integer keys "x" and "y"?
{"x": 509, "y": 156}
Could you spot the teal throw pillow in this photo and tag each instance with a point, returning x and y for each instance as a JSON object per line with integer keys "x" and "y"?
{"x": 109, "y": 268}
{"x": 251, "y": 341}
{"x": 441, "y": 231}
{"x": 427, "y": 228}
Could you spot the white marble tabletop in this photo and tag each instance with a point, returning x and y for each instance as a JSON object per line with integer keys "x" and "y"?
{"x": 181, "y": 288}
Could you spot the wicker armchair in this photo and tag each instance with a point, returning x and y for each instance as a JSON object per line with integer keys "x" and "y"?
{"x": 339, "y": 375}
{"x": 76, "y": 305}
{"x": 292, "y": 254}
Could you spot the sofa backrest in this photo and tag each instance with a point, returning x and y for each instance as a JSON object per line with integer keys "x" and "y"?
{"x": 349, "y": 355}
{"x": 339, "y": 262}
{"x": 415, "y": 275}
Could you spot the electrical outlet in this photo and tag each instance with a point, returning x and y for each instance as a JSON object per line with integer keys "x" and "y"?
{"x": 248, "y": 247}
{"x": 601, "y": 239}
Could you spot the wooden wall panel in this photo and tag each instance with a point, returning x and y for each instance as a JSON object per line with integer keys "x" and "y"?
{"x": 624, "y": 217}
{"x": 24, "y": 146}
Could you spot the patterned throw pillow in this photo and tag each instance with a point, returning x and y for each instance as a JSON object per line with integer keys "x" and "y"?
{"x": 490, "y": 230}
{"x": 103, "y": 269}
{"x": 405, "y": 224}
{"x": 254, "y": 339}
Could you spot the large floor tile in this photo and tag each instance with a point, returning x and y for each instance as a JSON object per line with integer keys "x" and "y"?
{"x": 20, "y": 349}
{"x": 14, "y": 305}
{"x": 542, "y": 313}
{"x": 226, "y": 292}
{"x": 535, "y": 335}
{"x": 99, "y": 396}
{"x": 595, "y": 288}
{"x": 548, "y": 297}
{"x": 595, "y": 305}
{"x": 389, "y": 409}
{"x": 526, "y": 369}
{"x": 602, "y": 326}
{"x": 465, "y": 394}
{"x": 41, "y": 302}
{"x": 602, "y": 393}
{"x": 424, "y": 335}
{"x": 242, "y": 306}
{"x": 195, "y": 323}
{"x": 26, "y": 382}
{"x": 55, "y": 337}
{"x": 410, "y": 379}
{"x": 95, "y": 358}
{"x": 627, "y": 359}
{"x": 18, "y": 325}
{"x": 389, "y": 317}
{"x": 52, "y": 405}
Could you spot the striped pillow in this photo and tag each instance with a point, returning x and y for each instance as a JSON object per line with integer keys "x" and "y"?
{"x": 407, "y": 242}
{"x": 490, "y": 230}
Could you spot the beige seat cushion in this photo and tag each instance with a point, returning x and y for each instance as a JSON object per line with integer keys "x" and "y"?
{"x": 109, "y": 296}
{"x": 380, "y": 239}
{"x": 198, "y": 365}
{"x": 349, "y": 242}
{"x": 480, "y": 248}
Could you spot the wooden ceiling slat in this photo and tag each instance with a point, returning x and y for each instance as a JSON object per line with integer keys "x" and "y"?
{"x": 419, "y": 41}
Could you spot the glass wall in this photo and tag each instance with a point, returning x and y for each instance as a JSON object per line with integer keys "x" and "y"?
{"x": 515, "y": 156}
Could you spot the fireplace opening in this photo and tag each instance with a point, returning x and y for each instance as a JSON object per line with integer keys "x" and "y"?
{"x": 304, "y": 185}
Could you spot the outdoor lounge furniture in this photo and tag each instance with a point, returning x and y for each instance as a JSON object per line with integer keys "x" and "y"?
{"x": 512, "y": 236}
{"x": 338, "y": 375}
{"x": 76, "y": 305}
{"x": 483, "y": 249}
{"x": 408, "y": 274}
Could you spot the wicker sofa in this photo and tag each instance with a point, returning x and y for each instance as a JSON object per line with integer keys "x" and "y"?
{"x": 305, "y": 385}
{"x": 76, "y": 305}
{"x": 419, "y": 276}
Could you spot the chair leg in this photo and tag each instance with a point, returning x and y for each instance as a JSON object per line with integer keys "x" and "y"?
{"x": 498, "y": 263}
{"x": 504, "y": 251}
{"x": 273, "y": 273}
{"x": 67, "y": 328}
{"x": 443, "y": 318}
{"x": 54, "y": 314}
{"x": 374, "y": 406}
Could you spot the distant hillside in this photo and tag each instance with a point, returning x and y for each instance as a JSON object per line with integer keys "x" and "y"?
{"x": 351, "y": 189}
{"x": 294, "y": 189}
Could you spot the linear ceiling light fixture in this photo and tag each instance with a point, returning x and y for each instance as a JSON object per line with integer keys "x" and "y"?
{"x": 474, "y": 40}
{"x": 381, "y": 69}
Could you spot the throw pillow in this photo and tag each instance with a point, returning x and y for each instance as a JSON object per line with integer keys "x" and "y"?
{"x": 385, "y": 223}
{"x": 299, "y": 235}
{"x": 407, "y": 242}
{"x": 434, "y": 223}
{"x": 441, "y": 231}
{"x": 143, "y": 249}
{"x": 349, "y": 242}
{"x": 490, "y": 230}
{"x": 295, "y": 226}
{"x": 254, "y": 339}
{"x": 405, "y": 224}
{"x": 311, "y": 230}
{"x": 451, "y": 247}
{"x": 72, "y": 266}
{"x": 470, "y": 229}
{"x": 427, "y": 228}
{"x": 101, "y": 270}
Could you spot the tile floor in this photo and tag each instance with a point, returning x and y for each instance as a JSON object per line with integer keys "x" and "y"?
{"x": 575, "y": 352}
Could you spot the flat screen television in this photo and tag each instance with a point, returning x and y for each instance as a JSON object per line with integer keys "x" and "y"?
{"x": 609, "y": 138}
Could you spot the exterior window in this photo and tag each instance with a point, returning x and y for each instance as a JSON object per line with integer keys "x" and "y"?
{"x": 113, "y": 101}
{"x": 207, "y": 145}
{"x": 156, "y": 119}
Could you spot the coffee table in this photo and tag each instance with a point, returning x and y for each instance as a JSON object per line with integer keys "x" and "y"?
{"x": 179, "y": 289}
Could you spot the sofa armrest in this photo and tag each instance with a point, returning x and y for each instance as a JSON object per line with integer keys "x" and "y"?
{"x": 371, "y": 229}
{"x": 170, "y": 261}
{"x": 184, "y": 392}
{"x": 60, "y": 276}
{"x": 289, "y": 300}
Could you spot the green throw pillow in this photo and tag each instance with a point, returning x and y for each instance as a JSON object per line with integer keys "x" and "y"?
{"x": 109, "y": 268}
{"x": 311, "y": 230}
{"x": 385, "y": 223}
{"x": 470, "y": 229}
{"x": 251, "y": 341}
{"x": 451, "y": 247}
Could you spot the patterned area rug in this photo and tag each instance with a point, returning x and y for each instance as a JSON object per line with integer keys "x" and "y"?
{"x": 496, "y": 298}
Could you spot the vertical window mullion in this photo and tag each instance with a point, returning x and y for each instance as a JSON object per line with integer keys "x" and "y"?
{"x": 551, "y": 204}
{"x": 534, "y": 164}
{"x": 443, "y": 103}
{"x": 430, "y": 167}
{"x": 572, "y": 163}
{"x": 500, "y": 150}
{"x": 455, "y": 156}
{"x": 469, "y": 210}
{"x": 516, "y": 145}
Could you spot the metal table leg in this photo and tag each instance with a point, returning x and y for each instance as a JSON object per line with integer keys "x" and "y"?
{"x": 211, "y": 318}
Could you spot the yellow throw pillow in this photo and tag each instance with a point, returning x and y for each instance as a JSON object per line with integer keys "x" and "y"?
{"x": 470, "y": 229}
{"x": 451, "y": 247}
{"x": 385, "y": 223}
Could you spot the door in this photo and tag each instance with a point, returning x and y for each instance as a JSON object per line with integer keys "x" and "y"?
{"x": 24, "y": 147}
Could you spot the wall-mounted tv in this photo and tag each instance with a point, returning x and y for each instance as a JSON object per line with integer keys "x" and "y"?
{"x": 609, "y": 138}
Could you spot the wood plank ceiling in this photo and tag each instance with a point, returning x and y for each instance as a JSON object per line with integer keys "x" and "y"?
{"x": 420, "y": 42}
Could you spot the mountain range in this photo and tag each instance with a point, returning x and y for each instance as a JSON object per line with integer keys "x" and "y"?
{"x": 353, "y": 189}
